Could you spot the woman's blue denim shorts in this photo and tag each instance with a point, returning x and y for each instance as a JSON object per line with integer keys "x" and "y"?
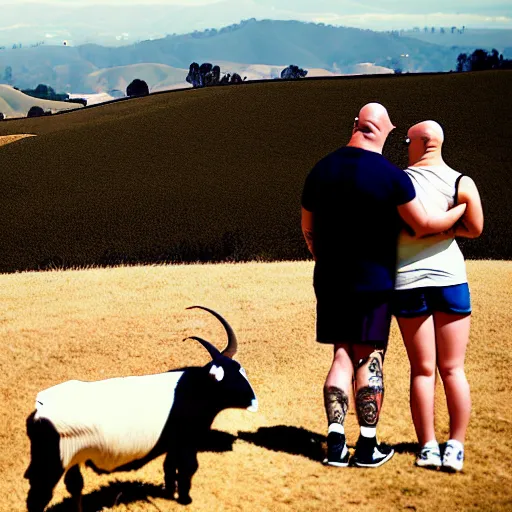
{"x": 414, "y": 302}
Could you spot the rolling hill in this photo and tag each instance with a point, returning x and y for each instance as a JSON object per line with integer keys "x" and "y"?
{"x": 216, "y": 174}
{"x": 157, "y": 76}
{"x": 14, "y": 103}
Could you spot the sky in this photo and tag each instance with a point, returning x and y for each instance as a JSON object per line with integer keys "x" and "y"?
{"x": 388, "y": 13}
{"x": 182, "y": 16}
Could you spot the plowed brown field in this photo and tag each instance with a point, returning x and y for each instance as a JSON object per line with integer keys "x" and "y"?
{"x": 96, "y": 323}
{"x": 216, "y": 174}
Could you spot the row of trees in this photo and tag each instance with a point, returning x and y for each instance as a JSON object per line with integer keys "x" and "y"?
{"x": 19, "y": 45}
{"x": 206, "y": 75}
{"x": 481, "y": 60}
{"x": 442, "y": 30}
{"x": 429, "y": 30}
{"x": 45, "y": 92}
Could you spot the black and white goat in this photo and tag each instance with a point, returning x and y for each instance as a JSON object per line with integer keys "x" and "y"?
{"x": 121, "y": 424}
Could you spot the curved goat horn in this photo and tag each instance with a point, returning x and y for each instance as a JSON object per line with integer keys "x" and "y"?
{"x": 214, "y": 352}
{"x": 232, "y": 345}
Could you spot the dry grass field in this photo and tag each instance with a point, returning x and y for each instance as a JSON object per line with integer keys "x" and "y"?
{"x": 216, "y": 174}
{"x": 8, "y": 139}
{"x": 96, "y": 323}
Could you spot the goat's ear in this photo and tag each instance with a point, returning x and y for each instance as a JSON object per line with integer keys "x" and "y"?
{"x": 216, "y": 372}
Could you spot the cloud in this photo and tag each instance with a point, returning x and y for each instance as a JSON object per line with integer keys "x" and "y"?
{"x": 15, "y": 27}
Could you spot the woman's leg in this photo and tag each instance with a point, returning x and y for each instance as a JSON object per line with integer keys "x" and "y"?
{"x": 419, "y": 339}
{"x": 452, "y": 336}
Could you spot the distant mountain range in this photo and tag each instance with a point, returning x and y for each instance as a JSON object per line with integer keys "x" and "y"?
{"x": 337, "y": 50}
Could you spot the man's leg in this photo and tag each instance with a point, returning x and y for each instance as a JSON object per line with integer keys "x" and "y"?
{"x": 369, "y": 393}
{"x": 369, "y": 386}
{"x": 336, "y": 399}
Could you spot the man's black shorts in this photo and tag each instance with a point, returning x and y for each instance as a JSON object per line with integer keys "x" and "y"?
{"x": 358, "y": 317}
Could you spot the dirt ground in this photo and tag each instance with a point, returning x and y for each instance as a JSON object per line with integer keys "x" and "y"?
{"x": 97, "y": 323}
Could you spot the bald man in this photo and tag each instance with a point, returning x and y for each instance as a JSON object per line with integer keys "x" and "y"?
{"x": 353, "y": 204}
{"x": 432, "y": 302}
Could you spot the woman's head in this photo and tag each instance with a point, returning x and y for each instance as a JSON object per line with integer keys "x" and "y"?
{"x": 425, "y": 141}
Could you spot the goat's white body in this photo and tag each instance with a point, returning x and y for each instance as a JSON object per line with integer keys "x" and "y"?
{"x": 110, "y": 422}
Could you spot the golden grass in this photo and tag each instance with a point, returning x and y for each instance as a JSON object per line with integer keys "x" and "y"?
{"x": 7, "y": 139}
{"x": 98, "y": 323}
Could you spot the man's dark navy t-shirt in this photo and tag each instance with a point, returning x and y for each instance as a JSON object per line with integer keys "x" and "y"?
{"x": 353, "y": 194}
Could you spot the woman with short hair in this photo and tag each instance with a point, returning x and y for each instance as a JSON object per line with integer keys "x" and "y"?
{"x": 432, "y": 299}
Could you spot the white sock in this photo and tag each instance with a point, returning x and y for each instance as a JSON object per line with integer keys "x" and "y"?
{"x": 336, "y": 427}
{"x": 369, "y": 432}
{"x": 432, "y": 445}
{"x": 456, "y": 444}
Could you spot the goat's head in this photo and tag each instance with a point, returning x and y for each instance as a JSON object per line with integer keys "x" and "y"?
{"x": 229, "y": 378}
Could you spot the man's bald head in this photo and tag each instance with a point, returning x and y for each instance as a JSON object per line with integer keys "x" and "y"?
{"x": 371, "y": 128}
{"x": 426, "y": 140}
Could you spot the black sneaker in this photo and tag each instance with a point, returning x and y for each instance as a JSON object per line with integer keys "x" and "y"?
{"x": 337, "y": 451}
{"x": 370, "y": 454}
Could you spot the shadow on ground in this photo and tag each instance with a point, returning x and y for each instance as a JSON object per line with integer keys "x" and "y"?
{"x": 299, "y": 441}
{"x": 113, "y": 494}
{"x": 279, "y": 438}
{"x": 126, "y": 492}
{"x": 288, "y": 439}
{"x": 406, "y": 447}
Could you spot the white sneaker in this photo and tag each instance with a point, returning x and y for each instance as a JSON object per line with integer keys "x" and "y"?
{"x": 453, "y": 457}
{"x": 429, "y": 457}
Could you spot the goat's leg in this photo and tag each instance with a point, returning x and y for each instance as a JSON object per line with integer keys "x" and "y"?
{"x": 42, "y": 483}
{"x": 187, "y": 466}
{"x": 74, "y": 484}
{"x": 170, "y": 470}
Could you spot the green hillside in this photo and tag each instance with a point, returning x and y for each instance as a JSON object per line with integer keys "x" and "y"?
{"x": 277, "y": 42}
{"x": 267, "y": 42}
{"x": 216, "y": 174}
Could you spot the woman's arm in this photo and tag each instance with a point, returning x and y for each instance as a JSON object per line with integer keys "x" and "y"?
{"x": 471, "y": 223}
{"x": 307, "y": 229}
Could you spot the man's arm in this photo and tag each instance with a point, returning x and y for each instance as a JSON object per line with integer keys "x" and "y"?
{"x": 414, "y": 215}
{"x": 307, "y": 229}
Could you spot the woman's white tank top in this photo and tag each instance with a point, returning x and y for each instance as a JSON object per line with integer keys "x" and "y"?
{"x": 434, "y": 260}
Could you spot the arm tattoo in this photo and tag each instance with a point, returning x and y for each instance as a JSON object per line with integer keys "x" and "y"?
{"x": 369, "y": 398}
{"x": 336, "y": 404}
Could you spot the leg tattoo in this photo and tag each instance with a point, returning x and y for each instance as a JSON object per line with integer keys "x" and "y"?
{"x": 369, "y": 398}
{"x": 336, "y": 404}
